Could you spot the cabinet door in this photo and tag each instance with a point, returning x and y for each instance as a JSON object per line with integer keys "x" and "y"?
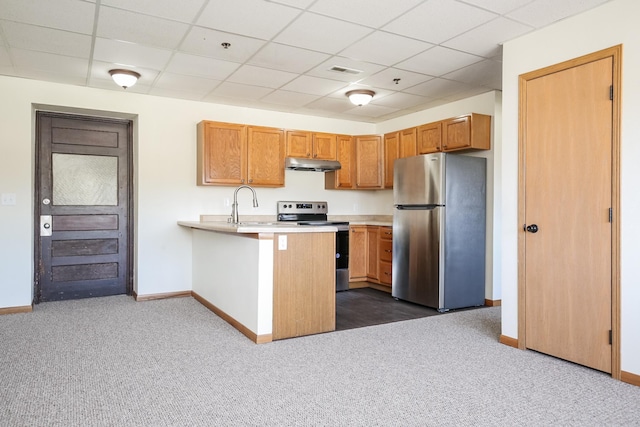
{"x": 265, "y": 156}
{"x": 299, "y": 144}
{"x": 324, "y": 146}
{"x": 471, "y": 131}
{"x": 369, "y": 162}
{"x": 429, "y": 138}
{"x": 357, "y": 253}
{"x": 456, "y": 133}
{"x": 221, "y": 153}
{"x": 408, "y": 143}
{"x": 372, "y": 253}
{"x": 344, "y": 177}
{"x": 391, "y": 152}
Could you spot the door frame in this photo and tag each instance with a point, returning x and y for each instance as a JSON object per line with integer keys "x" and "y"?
{"x": 615, "y": 53}
{"x": 99, "y": 115}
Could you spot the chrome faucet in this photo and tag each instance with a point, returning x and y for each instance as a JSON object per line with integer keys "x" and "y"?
{"x": 234, "y": 207}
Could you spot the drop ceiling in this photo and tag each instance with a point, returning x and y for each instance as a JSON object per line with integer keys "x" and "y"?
{"x": 297, "y": 56}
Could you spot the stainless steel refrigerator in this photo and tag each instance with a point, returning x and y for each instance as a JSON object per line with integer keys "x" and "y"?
{"x": 439, "y": 230}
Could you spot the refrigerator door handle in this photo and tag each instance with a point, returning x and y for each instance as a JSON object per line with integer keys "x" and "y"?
{"x": 417, "y": 207}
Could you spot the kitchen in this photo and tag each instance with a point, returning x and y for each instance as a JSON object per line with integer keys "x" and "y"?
{"x": 288, "y": 303}
{"x": 165, "y": 152}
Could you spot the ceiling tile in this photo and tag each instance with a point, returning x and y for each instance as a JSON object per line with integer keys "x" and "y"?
{"x": 438, "y": 20}
{"x": 130, "y": 54}
{"x": 361, "y": 12}
{"x": 186, "y": 83}
{"x": 365, "y": 69}
{"x": 485, "y": 39}
{"x": 133, "y": 27}
{"x": 255, "y": 18}
{"x": 438, "y": 61}
{"x": 28, "y": 59}
{"x": 337, "y": 105}
{"x": 292, "y": 99}
{"x": 30, "y": 37}
{"x": 336, "y": 35}
{"x": 257, "y": 76}
{"x": 49, "y": 75}
{"x": 313, "y": 85}
{"x": 235, "y": 90}
{"x": 70, "y": 15}
{"x": 183, "y": 10}
{"x": 5, "y": 60}
{"x": 499, "y": 6}
{"x": 396, "y": 48}
{"x": 371, "y": 110}
{"x": 287, "y": 58}
{"x": 482, "y": 73}
{"x": 544, "y": 12}
{"x": 438, "y": 88}
{"x": 385, "y": 79}
{"x": 171, "y": 93}
{"x": 401, "y": 100}
{"x": 206, "y": 42}
{"x": 302, "y": 4}
{"x": 192, "y": 65}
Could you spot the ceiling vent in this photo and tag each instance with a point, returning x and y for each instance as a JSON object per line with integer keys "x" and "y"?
{"x": 345, "y": 70}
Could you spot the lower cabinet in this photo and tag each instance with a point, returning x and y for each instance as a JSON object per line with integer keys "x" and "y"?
{"x": 370, "y": 254}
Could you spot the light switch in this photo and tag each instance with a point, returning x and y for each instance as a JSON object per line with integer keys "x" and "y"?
{"x": 282, "y": 242}
{"x": 8, "y": 199}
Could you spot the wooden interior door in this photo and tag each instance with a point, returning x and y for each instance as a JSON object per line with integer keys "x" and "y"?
{"x": 83, "y": 202}
{"x": 567, "y": 121}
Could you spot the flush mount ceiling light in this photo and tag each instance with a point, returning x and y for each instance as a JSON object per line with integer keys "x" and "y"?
{"x": 360, "y": 97}
{"x": 124, "y": 78}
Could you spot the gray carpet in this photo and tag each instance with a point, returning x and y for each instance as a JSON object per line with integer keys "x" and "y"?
{"x": 114, "y": 362}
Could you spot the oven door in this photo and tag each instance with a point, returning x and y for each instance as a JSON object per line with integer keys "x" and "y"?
{"x": 342, "y": 260}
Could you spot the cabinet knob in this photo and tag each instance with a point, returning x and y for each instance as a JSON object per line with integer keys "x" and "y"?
{"x": 250, "y": 180}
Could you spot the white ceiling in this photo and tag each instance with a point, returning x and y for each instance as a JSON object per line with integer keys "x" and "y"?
{"x": 281, "y": 51}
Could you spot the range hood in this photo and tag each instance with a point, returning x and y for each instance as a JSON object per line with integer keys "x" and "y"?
{"x": 299, "y": 164}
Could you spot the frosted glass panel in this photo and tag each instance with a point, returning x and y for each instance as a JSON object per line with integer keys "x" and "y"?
{"x": 84, "y": 180}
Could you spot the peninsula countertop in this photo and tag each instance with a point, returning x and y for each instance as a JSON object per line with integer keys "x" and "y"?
{"x": 252, "y": 227}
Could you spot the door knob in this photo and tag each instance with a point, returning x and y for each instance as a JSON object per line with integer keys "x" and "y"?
{"x": 533, "y": 228}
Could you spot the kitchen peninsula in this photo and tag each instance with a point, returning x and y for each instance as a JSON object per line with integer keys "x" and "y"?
{"x": 269, "y": 280}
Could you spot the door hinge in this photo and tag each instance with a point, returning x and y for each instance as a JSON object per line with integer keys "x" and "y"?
{"x": 610, "y": 214}
{"x": 611, "y": 92}
{"x": 610, "y": 337}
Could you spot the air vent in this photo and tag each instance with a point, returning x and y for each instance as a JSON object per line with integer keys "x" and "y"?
{"x": 339, "y": 69}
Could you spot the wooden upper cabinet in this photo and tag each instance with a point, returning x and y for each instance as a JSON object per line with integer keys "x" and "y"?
{"x": 265, "y": 156}
{"x": 391, "y": 153}
{"x": 222, "y": 151}
{"x": 369, "y": 161}
{"x": 344, "y": 177}
{"x": 324, "y": 146}
{"x": 408, "y": 145}
{"x": 234, "y": 154}
{"x": 309, "y": 145}
{"x": 429, "y": 138}
{"x": 471, "y": 131}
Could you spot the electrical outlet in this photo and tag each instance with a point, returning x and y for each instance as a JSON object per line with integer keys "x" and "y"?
{"x": 282, "y": 242}
{"x": 8, "y": 199}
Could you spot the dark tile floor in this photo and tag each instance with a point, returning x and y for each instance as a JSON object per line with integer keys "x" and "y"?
{"x": 356, "y": 308}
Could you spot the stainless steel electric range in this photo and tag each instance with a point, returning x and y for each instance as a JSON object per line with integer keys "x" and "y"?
{"x": 315, "y": 214}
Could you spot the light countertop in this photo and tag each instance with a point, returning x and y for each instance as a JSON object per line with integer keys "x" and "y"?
{"x": 255, "y": 227}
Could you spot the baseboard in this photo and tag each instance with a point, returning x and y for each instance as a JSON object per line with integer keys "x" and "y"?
{"x": 15, "y": 310}
{"x": 382, "y": 288}
{"x": 358, "y": 285}
{"x": 492, "y": 302}
{"x": 630, "y": 378}
{"x": 149, "y": 297}
{"x": 258, "y": 339}
{"x": 511, "y": 342}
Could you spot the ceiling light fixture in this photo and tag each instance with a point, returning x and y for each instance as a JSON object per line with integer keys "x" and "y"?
{"x": 124, "y": 78}
{"x": 360, "y": 97}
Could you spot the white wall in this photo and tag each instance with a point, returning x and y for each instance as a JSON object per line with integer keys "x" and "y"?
{"x": 489, "y": 103}
{"x": 608, "y": 25}
{"x": 165, "y": 175}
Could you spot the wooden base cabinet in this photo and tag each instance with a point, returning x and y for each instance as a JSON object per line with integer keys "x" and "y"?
{"x": 385, "y": 255}
{"x": 357, "y": 253}
{"x": 235, "y": 154}
{"x": 370, "y": 255}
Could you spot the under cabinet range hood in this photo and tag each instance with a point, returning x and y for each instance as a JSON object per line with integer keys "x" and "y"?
{"x": 300, "y": 164}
